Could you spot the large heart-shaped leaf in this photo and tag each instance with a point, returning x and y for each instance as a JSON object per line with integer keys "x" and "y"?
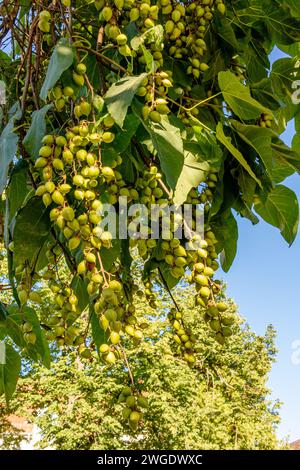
{"x": 167, "y": 141}
{"x": 120, "y": 95}
{"x": 8, "y": 148}
{"x": 238, "y": 97}
{"x": 226, "y": 141}
{"x": 281, "y": 209}
{"x": 33, "y": 139}
{"x": 9, "y": 372}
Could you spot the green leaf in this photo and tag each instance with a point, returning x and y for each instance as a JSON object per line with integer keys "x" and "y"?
{"x": 32, "y": 229}
{"x": 281, "y": 209}
{"x": 109, "y": 255}
{"x": 61, "y": 59}
{"x": 33, "y": 139}
{"x": 286, "y": 161}
{"x": 259, "y": 139}
{"x": 264, "y": 93}
{"x": 120, "y": 95}
{"x": 79, "y": 287}
{"x": 226, "y": 141}
{"x": 194, "y": 171}
{"x": 18, "y": 189}
{"x": 3, "y": 312}
{"x": 123, "y": 138}
{"x": 238, "y": 97}
{"x": 166, "y": 275}
{"x": 294, "y": 6}
{"x": 168, "y": 143}
{"x": 226, "y": 231}
{"x": 38, "y": 351}
{"x": 8, "y": 148}
{"x": 9, "y": 372}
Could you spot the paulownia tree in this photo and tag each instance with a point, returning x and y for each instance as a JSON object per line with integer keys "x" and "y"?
{"x": 159, "y": 102}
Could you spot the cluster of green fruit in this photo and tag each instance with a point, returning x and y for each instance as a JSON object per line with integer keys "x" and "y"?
{"x": 44, "y": 21}
{"x": 116, "y": 316}
{"x": 134, "y": 402}
{"x": 61, "y": 323}
{"x": 24, "y": 289}
{"x": 266, "y": 120}
{"x": 183, "y": 338}
{"x": 219, "y": 321}
{"x": 186, "y": 28}
{"x": 28, "y": 333}
{"x": 61, "y": 95}
{"x": 154, "y": 89}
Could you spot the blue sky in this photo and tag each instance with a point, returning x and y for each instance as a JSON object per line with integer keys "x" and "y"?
{"x": 264, "y": 282}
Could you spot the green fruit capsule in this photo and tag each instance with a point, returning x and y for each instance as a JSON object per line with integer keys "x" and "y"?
{"x": 227, "y": 331}
{"x": 65, "y": 188}
{"x": 126, "y": 391}
{"x": 67, "y": 156}
{"x": 47, "y": 200}
{"x": 41, "y": 162}
{"x": 45, "y": 151}
{"x": 201, "y": 280}
{"x": 115, "y": 286}
{"x": 61, "y": 141}
{"x": 77, "y": 111}
{"x": 30, "y": 337}
{"x": 107, "y": 13}
{"x": 81, "y": 155}
{"x": 68, "y": 213}
{"x": 58, "y": 164}
{"x": 126, "y": 412}
{"x": 49, "y": 187}
{"x": 68, "y": 91}
{"x": 54, "y": 213}
{"x": 119, "y": 4}
{"x": 114, "y": 337}
{"x": 180, "y": 261}
{"x": 74, "y": 243}
{"x": 130, "y": 401}
{"x": 155, "y": 116}
{"x": 121, "y": 39}
{"x": 58, "y": 198}
{"x": 110, "y": 358}
{"x": 213, "y": 311}
{"x": 85, "y": 108}
{"x": 108, "y": 137}
{"x": 125, "y": 50}
{"x": 222, "y": 306}
{"x": 40, "y": 190}
{"x": 44, "y": 26}
{"x": 45, "y": 15}
{"x": 78, "y": 180}
{"x": 81, "y": 69}
{"x": 205, "y": 292}
{"x": 134, "y": 14}
{"x": 78, "y": 79}
{"x": 48, "y": 140}
{"x": 135, "y": 416}
{"x": 215, "y": 325}
{"x": 221, "y": 8}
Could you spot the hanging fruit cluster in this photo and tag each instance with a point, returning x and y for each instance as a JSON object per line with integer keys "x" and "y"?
{"x": 81, "y": 166}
